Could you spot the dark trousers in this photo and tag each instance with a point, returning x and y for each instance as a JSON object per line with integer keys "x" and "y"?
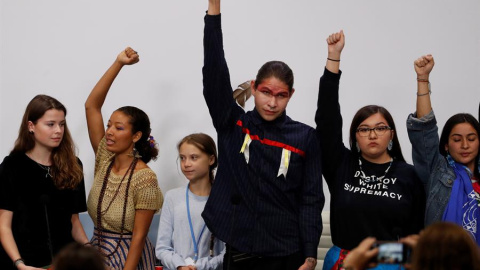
{"x": 235, "y": 260}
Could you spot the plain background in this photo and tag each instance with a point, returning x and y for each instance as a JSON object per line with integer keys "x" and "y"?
{"x": 61, "y": 48}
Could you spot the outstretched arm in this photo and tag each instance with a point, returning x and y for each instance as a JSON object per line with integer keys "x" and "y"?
{"x": 328, "y": 116}
{"x": 217, "y": 89}
{"x": 94, "y": 103}
{"x": 213, "y": 7}
{"x": 336, "y": 42}
{"x": 423, "y": 67}
{"x": 422, "y": 127}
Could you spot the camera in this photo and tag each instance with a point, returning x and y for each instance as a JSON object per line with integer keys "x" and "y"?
{"x": 392, "y": 252}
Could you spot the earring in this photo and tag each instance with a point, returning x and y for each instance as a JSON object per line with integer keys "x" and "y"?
{"x": 31, "y": 131}
{"x": 135, "y": 153}
{"x": 358, "y": 147}
{"x": 390, "y": 145}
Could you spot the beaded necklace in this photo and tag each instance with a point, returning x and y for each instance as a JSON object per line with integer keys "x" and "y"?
{"x": 130, "y": 169}
{"x": 364, "y": 177}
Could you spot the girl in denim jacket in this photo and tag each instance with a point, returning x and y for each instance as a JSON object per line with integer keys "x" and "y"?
{"x": 448, "y": 166}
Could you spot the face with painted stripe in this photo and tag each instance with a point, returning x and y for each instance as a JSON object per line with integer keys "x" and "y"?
{"x": 271, "y": 98}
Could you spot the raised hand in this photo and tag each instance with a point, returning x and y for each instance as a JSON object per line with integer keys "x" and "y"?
{"x": 213, "y": 7}
{"x": 128, "y": 57}
{"x": 424, "y": 65}
{"x": 336, "y": 42}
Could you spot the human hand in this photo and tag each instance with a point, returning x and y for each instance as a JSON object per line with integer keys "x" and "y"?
{"x": 309, "y": 264}
{"x": 424, "y": 65}
{"x": 336, "y": 42}
{"x": 361, "y": 256}
{"x": 26, "y": 267}
{"x": 128, "y": 57}
{"x": 410, "y": 241}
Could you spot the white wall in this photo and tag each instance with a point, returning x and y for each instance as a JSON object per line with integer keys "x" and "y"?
{"x": 61, "y": 48}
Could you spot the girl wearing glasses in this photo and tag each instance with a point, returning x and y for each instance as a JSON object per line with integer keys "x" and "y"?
{"x": 448, "y": 166}
{"x": 374, "y": 192}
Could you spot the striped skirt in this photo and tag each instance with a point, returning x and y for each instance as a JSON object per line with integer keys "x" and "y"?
{"x": 116, "y": 261}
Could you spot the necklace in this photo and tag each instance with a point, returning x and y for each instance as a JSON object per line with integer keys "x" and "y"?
{"x": 364, "y": 177}
{"x": 131, "y": 168}
{"x": 46, "y": 168}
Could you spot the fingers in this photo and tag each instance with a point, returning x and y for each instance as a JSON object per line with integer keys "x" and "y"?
{"x": 424, "y": 60}
{"x": 335, "y": 37}
{"x": 410, "y": 240}
{"x": 367, "y": 243}
{"x": 132, "y": 55}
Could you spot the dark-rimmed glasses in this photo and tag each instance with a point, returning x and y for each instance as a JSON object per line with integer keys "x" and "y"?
{"x": 379, "y": 131}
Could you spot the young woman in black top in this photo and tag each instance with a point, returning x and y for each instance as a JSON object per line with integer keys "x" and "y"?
{"x": 373, "y": 191}
{"x": 41, "y": 189}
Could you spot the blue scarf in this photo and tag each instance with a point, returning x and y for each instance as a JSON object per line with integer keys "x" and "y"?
{"x": 462, "y": 208}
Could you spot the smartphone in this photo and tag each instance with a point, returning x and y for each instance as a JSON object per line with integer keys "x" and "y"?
{"x": 392, "y": 252}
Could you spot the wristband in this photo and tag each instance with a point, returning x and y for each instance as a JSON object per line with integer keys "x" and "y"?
{"x": 334, "y": 60}
{"x": 18, "y": 262}
{"x": 424, "y": 94}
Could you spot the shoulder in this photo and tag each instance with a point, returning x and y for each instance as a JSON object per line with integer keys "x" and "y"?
{"x": 144, "y": 177}
{"x": 405, "y": 170}
{"x": 175, "y": 193}
{"x": 299, "y": 131}
{"x": 13, "y": 160}
{"x": 297, "y": 125}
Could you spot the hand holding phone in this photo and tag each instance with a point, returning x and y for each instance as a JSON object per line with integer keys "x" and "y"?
{"x": 392, "y": 252}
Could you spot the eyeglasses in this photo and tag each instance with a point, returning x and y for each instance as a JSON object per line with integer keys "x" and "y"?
{"x": 379, "y": 131}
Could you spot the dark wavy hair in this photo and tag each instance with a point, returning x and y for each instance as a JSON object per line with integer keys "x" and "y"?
{"x": 458, "y": 118}
{"x": 277, "y": 69}
{"x": 139, "y": 120}
{"x": 206, "y": 144}
{"x": 363, "y": 114}
{"x": 66, "y": 170}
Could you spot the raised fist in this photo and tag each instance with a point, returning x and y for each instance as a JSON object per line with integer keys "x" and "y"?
{"x": 128, "y": 57}
{"x": 424, "y": 65}
{"x": 336, "y": 42}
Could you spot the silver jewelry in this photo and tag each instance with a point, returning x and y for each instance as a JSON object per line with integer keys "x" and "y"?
{"x": 364, "y": 177}
{"x": 390, "y": 145}
{"x": 358, "y": 147}
{"x": 46, "y": 168}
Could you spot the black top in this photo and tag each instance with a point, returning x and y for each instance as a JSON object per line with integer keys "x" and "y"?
{"x": 251, "y": 206}
{"x": 387, "y": 209}
{"x": 26, "y": 191}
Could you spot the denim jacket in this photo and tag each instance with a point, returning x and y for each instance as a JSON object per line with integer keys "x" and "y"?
{"x": 430, "y": 165}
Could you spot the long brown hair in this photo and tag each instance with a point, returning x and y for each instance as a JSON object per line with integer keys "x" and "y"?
{"x": 445, "y": 246}
{"x": 66, "y": 171}
{"x": 206, "y": 144}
